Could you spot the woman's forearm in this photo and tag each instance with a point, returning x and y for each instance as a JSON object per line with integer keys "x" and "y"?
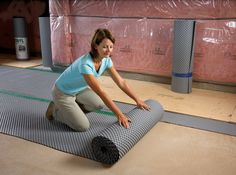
{"x": 125, "y": 88}
{"x": 110, "y": 104}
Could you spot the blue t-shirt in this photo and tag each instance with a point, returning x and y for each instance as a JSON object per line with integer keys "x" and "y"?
{"x": 72, "y": 81}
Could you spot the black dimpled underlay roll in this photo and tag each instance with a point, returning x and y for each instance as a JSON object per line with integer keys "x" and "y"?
{"x": 115, "y": 141}
{"x": 105, "y": 150}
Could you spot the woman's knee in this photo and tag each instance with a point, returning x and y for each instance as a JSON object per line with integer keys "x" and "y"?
{"x": 99, "y": 105}
{"x": 75, "y": 119}
{"x": 84, "y": 128}
{"x": 81, "y": 127}
{"x": 90, "y": 100}
{"x": 93, "y": 107}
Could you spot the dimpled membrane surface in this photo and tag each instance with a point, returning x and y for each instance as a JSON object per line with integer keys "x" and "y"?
{"x": 25, "y": 118}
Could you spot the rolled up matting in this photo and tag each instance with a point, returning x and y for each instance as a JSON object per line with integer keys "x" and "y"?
{"x": 114, "y": 142}
{"x": 45, "y": 41}
{"x": 183, "y": 50}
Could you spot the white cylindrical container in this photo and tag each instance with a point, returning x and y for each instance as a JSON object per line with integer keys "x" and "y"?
{"x": 21, "y": 39}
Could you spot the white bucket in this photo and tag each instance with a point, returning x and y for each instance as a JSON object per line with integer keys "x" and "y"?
{"x": 21, "y": 44}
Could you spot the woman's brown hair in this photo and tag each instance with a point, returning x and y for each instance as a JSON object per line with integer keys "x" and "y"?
{"x": 99, "y": 35}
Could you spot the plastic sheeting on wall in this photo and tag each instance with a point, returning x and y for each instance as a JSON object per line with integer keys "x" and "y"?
{"x": 142, "y": 45}
{"x": 144, "y": 34}
{"x": 215, "y": 51}
{"x": 145, "y": 8}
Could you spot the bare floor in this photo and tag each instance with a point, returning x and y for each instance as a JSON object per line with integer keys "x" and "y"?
{"x": 166, "y": 149}
{"x": 11, "y": 60}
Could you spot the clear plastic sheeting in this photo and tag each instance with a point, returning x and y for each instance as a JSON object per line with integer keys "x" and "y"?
{"x": 146, "y": 8}
{"x": 215, "y": 51}
{"x": 144, "y": 34}
{"x": 142, "y": 45}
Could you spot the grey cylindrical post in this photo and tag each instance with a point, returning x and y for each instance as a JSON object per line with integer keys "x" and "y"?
{"x": 45, "y": 40}
{"x": 183, "y": 56}
{"x": 21, "y": 39}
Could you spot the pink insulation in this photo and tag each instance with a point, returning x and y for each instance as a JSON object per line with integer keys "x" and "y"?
{"x": 60, "y": 39}
{"x": 146, "y": 8}
{"x": 215, "y": 51}
{"x": 144, "y": 34}
{"x": 143, "y": 45}
{"x": 71, "y": 42}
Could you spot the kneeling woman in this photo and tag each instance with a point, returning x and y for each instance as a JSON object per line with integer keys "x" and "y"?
{"x": 77, "y": 89}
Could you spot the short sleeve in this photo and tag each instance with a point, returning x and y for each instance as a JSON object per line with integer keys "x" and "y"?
{"x": 109, "y": 63}
{"x": 86, "y": 69}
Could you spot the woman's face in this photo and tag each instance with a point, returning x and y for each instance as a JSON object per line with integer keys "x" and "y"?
{"x": 105, "y": 48}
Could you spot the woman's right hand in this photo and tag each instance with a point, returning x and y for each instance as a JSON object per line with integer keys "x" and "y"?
{"x": 124, "y": 121}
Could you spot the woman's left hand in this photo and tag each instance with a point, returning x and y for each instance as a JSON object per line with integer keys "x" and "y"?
{"x": 143, "y": 105}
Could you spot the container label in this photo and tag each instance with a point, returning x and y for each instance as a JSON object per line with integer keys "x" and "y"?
{"x": 21, "y": 48}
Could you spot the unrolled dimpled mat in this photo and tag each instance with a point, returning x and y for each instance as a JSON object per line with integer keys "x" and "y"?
{"x": 105, "y": 141}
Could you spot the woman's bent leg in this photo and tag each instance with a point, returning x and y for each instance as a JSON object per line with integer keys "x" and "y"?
{"x": 68, "y": 112}
{"x": 90, "y": 100}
